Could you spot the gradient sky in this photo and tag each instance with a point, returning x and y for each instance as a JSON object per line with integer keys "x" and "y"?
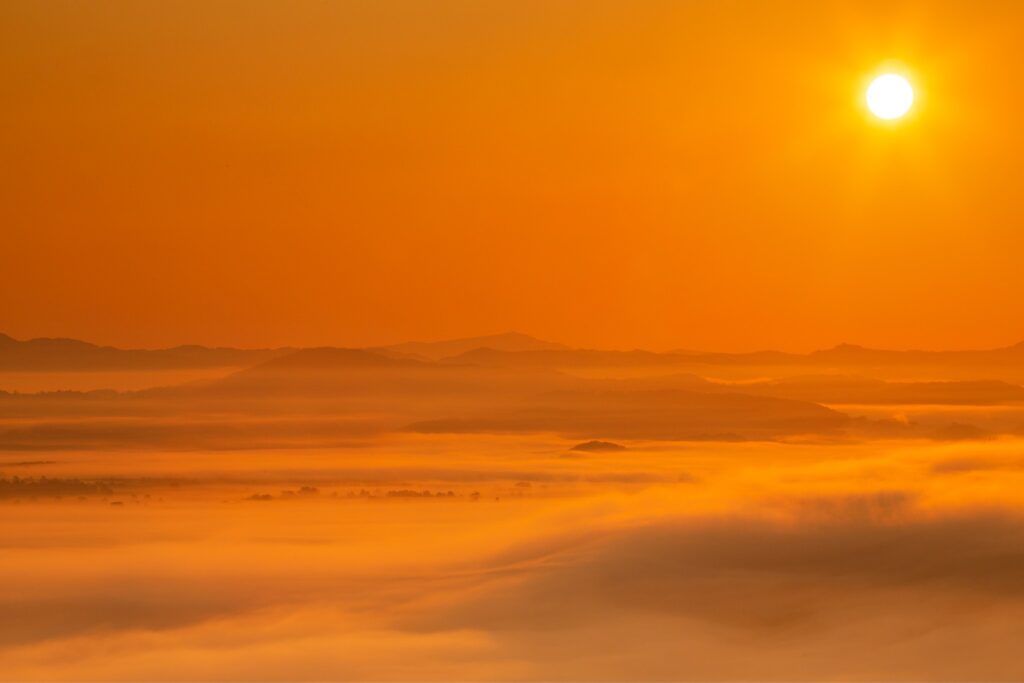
{"x": 655, "y": 174}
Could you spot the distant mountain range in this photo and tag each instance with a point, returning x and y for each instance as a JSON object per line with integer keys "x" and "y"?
{"x": 516, "y": 384}
{"x": 844, "y": 355}
{"x": 71, "y": 355}
{"x": 59, "y": 355}
{"x": 508, "y": 350}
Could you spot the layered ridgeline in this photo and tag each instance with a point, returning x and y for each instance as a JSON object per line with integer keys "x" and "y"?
{"x": 1002, "y": 363}
{"x": 518, "y": 350}
{"x": 71, "y": 355}
{"x": 323, "y": 395}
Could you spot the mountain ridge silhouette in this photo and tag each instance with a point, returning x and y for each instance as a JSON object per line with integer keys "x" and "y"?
{"x": 510, "y": 349}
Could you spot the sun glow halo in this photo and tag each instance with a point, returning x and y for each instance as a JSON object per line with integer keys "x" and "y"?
{"x": 890, "y": 96}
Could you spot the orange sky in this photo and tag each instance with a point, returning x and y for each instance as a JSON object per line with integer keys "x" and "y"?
{"x": 656, "y": 174}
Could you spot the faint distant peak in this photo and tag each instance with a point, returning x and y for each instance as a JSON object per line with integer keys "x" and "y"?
{"x": 506, "y": 341}
{"x": 852, "y": 351}
{"x": 846, "y": 348}
{"x": 598, "y": 446}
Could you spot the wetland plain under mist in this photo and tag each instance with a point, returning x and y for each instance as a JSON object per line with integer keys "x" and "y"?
{"x": 537, "y": 513}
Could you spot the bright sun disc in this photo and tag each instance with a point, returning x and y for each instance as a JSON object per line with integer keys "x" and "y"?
{"x": 890, "y": 96}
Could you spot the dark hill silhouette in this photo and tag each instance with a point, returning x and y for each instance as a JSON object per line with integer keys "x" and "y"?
{"x": 373, "y": 379}
{"x": 598, "y": 447}
{"x": 71, "y": 355}
{"x": 319, "y": 372}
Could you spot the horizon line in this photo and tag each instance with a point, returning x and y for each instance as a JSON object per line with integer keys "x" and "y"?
{"x": 509, "y": 333}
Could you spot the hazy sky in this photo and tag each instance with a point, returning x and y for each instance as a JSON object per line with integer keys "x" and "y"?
{"x": 657, "y": 174}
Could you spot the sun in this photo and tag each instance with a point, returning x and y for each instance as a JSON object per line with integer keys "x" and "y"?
{"x": 890, "y": 96}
